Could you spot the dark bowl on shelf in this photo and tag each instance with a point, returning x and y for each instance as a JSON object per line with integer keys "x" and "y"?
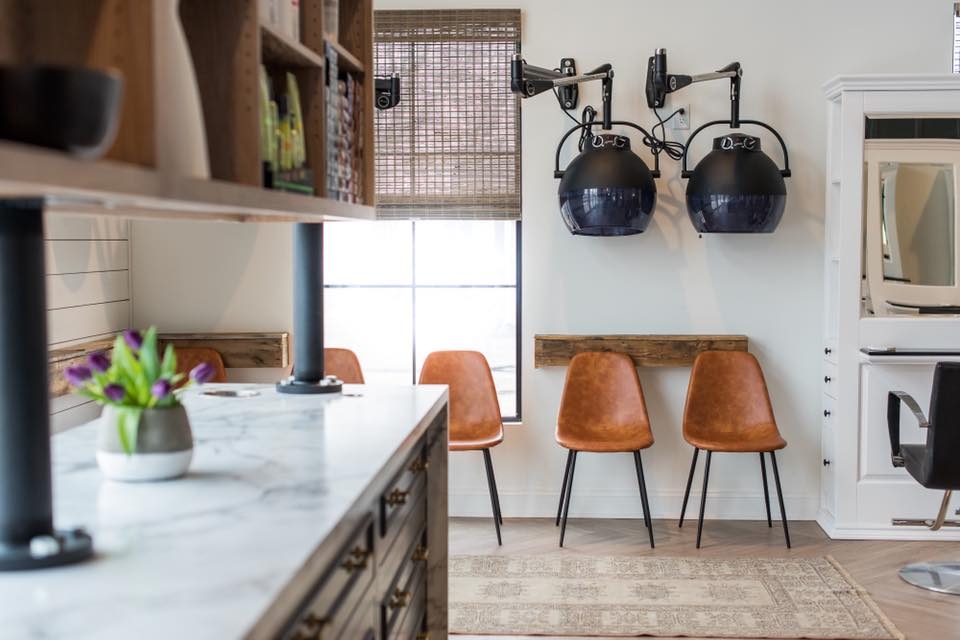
{"x": 72, "y": 109}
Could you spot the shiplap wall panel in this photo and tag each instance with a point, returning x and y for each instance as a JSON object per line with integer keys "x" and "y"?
{"x": 81, "y": 289}
{"x": 88, "y": 292}
{"x": 85, "y": 256}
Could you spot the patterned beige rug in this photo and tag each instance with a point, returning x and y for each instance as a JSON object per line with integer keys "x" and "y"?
{"x": 567, "y": 595}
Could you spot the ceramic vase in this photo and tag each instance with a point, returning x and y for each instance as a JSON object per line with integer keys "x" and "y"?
{"x": 163, "y": 450}
{"x": 180, "y": 134}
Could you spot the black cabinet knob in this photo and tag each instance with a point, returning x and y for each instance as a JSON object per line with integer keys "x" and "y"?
{"x": 827, "y": 379}
{"x": 827, "y": 351}
{"x": 826, "y": 462}
{"x": 826, "y": 413}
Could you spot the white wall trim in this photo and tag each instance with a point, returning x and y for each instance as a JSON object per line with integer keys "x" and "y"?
{"x": 726, "y": 505}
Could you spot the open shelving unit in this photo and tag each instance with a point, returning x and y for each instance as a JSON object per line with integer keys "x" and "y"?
{"x": 228, "y": 40}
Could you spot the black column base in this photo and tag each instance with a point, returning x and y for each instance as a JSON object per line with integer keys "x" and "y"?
{"x": 330, "y": 384}
{"x": 58, "y": 549}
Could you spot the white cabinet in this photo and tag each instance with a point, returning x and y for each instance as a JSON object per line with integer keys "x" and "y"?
{"x": 860, "y": 490}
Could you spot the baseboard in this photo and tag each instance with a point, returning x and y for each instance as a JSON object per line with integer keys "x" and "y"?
{"x": 888, "y": 532}
{"x": 720, "y": 505}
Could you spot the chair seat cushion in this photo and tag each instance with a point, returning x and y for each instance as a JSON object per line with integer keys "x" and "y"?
{"x": 476, "y": 444}
{"x": 760, "y": 440}
{"x": 616, "y": 442}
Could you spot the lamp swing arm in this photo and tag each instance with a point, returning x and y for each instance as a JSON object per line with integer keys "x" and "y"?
{"x": 529, "y": 80}
{"x": 557, "y": 173}
{"x": 785, "y": 172}
{"x": 660, "y": 83}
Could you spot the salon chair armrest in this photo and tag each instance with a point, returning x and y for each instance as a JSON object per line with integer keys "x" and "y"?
{"x": 893, "y": 421}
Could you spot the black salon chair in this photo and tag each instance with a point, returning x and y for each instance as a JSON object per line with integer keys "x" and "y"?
{"x": 935, "y": 465}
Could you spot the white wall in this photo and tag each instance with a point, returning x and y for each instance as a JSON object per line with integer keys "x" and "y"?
{"x": 222, "y": 277}
{"x": 88, "y": 292}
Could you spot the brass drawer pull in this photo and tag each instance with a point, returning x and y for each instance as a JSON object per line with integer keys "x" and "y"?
{"x": 420, "y": 554}
{"x": 397, "y": 497}
{"x": 399, "y": 599}
{"x": 357, "y": 560}
{"x": 423, "y": 635}
{"x": 419, "y": 466}
{"x": 311, "y": 628}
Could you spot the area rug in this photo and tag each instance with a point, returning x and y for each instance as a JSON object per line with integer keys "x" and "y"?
{"x": 567, "y": 595}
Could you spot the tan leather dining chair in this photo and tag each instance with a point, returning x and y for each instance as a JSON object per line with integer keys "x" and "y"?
{"x": 344, "y": 364}
{"x": 189, "y": 357}
{"x": 475, "y": 422}
{"x": 728, "y": 410}
{"x": 602, "y": 411}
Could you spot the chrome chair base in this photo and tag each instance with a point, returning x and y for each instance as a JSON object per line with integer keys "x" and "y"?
{"x": 942, "y": 577}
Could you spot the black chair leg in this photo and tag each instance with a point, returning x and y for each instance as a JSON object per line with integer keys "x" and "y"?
{"x": 492, "y": 486}
{"x": 566, "y": 500}
{"x": 703, "y": 496}
{"x": 766, "y": 491}
{"x": 783, "y": 513}
{"x": 496, "y": 491}
{"x": 686, "y": 493}
{"x": 643, "y": 497}
{"x": 563, "y": 487}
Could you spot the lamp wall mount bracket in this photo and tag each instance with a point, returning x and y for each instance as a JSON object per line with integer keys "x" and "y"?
{"x": 569, "y": 94}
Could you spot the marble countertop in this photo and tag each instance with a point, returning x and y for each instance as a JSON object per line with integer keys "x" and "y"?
{"x": 205, "y": 555}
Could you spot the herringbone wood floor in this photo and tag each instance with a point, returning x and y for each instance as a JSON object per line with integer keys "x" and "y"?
{"x": 919, "y": 614}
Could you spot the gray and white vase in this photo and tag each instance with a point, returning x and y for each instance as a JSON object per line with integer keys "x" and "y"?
{"x": 163, "y": 450}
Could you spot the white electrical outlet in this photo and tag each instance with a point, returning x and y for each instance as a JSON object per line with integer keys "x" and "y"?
{"x": 682, "y": 119}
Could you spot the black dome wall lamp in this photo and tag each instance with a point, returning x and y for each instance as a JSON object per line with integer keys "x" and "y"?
{"x": 607, "y": 190}
{"x": 736, "y": 188}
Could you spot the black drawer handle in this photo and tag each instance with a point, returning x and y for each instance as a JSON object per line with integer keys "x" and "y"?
{"x": 827, "y": 379}
{"x": 397, "y": 497}
{"x": 420, "y": 554}
{"x": 357, "y": 560}
{"x": 827, "y": 351}
{"x": 826, "y": 462}
{"x": 399, "y": 599}
{"x": 826, "y": 413}
{"x": 419, "y": 466}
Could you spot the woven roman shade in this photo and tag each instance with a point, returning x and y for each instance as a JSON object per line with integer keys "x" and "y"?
{"x": 451, "y": 148}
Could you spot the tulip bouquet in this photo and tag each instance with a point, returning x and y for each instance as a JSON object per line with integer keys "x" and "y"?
{"x": 136, "y": 379}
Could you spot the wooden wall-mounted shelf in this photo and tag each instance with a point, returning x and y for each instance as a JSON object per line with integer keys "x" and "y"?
{"x": 646, "y": 350}
{"x": 238, "y": 350}
{"x": 228, "y": 40}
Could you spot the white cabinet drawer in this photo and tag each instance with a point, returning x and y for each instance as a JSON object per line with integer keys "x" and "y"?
{"x": 827, "y": 480}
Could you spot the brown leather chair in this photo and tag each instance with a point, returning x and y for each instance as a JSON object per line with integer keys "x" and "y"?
{"x": 728, "y": 410}
{"x": 189, "y": 357}
{"x": 602, "y": 411}
{"x": 475, "y": 422}
{"x": 342, "y": 363}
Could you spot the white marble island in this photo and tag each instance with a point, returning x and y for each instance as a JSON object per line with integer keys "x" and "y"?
{"x": 232, "y": 549}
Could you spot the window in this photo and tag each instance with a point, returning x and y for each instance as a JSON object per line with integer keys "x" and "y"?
{"x": 440, "y": 268}
{"x": 397, "y": 290}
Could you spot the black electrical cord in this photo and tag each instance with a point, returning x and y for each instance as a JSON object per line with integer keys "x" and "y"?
{"x": 673, "y": 149}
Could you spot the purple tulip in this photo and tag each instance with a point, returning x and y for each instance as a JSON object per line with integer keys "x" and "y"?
{"x": 202, "y": 373}
{"x": 161, "y": 389}
{"x": 78, "y": 374}
{"x": 114, "y": 392}
{"x": 133, "y": 338}
{"x": 98, "y": 362}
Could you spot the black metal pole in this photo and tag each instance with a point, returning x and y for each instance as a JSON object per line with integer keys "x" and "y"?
{"x": 27, "y": 536}
{"x": 308, "y": 370}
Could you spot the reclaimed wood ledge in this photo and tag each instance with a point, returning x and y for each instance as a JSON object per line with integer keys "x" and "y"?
{"x": 238, "y": 350}
{"x": 646, "y": 350}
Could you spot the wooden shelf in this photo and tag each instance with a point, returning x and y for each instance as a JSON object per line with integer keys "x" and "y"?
{"x": 116, "y": 188}
{"x": 346, "y": 60}
{"x": 646, "y": 350}
{"x": 280, "y": 49}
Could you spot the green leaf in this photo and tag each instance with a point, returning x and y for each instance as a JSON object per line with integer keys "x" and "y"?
{"x": 128, "y": 424}
{"x": 149, "y": 358}
{"x": 169, "y": 366}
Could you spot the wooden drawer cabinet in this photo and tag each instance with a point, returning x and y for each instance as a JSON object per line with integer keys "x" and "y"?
{"x": 388, "y": 580}
{"x": 327, "y": 612}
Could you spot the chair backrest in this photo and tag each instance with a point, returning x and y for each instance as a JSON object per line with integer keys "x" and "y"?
{"x": 189, "y": 357}
{"x": 474, "y": 408}
{"x": 727, "y": 397}
{"x": 601, "y": 397}
{"x": 943, "y": 435}
{"x": 344, "y": 364}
